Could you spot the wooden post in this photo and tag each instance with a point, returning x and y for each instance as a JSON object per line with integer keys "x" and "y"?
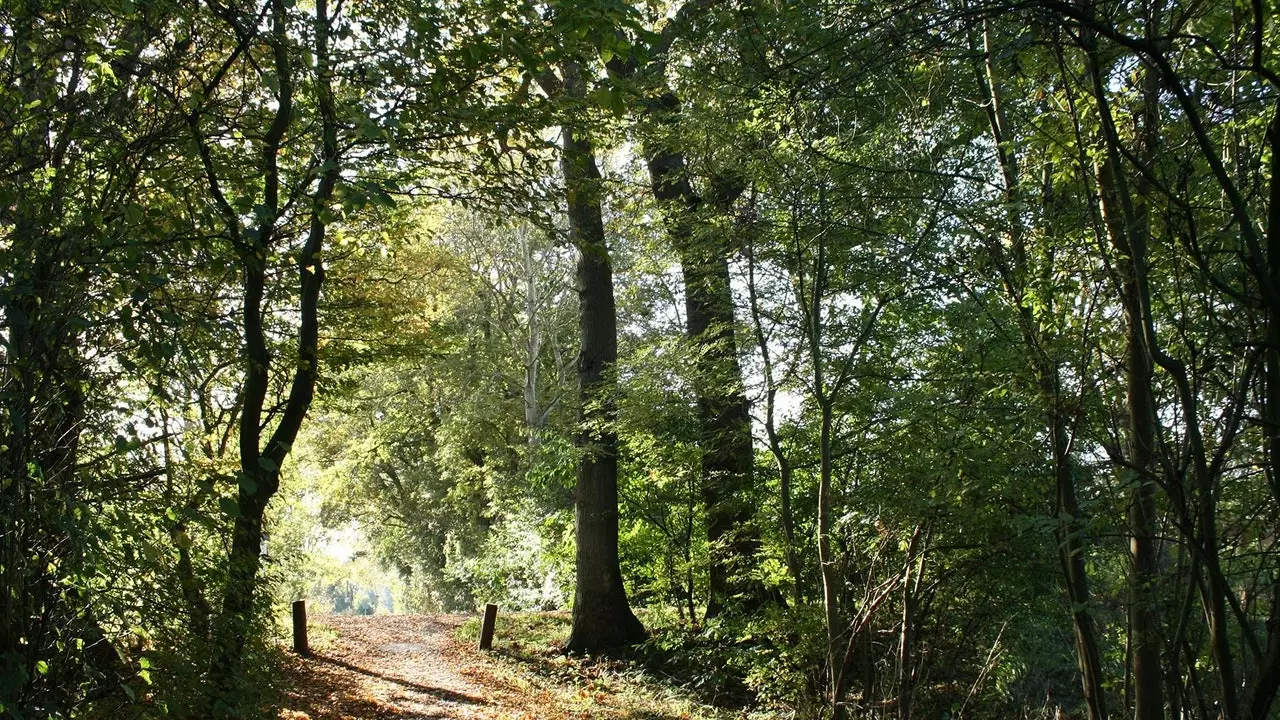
{"x": 486, "y": 629}
{"x": 300, "y": 628}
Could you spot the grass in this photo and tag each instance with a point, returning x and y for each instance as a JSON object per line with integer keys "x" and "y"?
{"x": 528, "y": 657}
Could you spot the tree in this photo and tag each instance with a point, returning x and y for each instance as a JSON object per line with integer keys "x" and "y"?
{"x": 79, "y": 135}
{"x": 1011, "y": 260}
{"x": 254, "y": 247}
{"x": 602, "y": 618}
{"x": 695, "y": 229}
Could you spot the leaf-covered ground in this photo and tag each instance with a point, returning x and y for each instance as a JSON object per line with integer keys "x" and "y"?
{"x": 415, "y": 667}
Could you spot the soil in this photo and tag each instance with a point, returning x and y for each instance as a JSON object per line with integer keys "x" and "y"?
{"x": 412, "y": 667}
{"x": 393, "y": 667}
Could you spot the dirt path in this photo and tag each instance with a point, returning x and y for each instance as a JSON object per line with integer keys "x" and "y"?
{"x": 398, "y": 667}
{"x": 411, "y": 667}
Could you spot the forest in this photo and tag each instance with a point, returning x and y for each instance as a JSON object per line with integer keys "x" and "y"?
{"x": 863, "y": 358}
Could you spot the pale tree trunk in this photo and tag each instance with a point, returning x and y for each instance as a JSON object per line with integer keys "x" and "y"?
{"x": 533, "y": 414}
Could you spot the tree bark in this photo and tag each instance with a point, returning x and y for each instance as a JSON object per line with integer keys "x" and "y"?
{"x": 260, "y": 466}
{"x": 728, "y": 455}
{"x": 602, "y": 617}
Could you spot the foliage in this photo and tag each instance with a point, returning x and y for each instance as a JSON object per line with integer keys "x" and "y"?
{"x": 999, "y": 284}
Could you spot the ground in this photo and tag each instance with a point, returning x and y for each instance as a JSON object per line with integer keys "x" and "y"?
{"x": 403, "y": 667}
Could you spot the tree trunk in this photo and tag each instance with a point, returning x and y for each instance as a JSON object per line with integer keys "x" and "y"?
{"x": 906, "y": 636}
{"x": 533, "y": 411}
{"x": 787, "y": 515}
{"x": 1126, "y": 227}
{"x": 259, "y": 466}
{"x": 837, "y": 678}
{"x": 1014, "y": 274}
{"x": 728, "y": 457}
{"x": 1268, "y": 681}
{"x": 811, "y": 304}
{"x": 602, "y": 618}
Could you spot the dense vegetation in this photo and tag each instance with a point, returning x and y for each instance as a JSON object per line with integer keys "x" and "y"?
{"x": 896, "y": 359}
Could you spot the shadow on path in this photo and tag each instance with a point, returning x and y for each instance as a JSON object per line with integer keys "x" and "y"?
{"x": 438, "y": 693}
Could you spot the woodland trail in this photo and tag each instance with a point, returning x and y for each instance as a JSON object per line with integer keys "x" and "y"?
{"x": 413, "y": 667}
{"x": 392, "y": 667}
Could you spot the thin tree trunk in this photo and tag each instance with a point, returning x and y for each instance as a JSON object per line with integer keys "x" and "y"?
{"x": 1127, "y": 230}
{"x": 906, "y": 636}
{"x": 1268, "y": 679}
{"x": 1069, "y": 533}
{"x": 259, "y": 466}
{"x": 198, "y": 608}
{"x": 534, "y": 416}
{"x": 787, "y": 515}
{"x": 830, "y": 575}
{"x": 811, "y": 304}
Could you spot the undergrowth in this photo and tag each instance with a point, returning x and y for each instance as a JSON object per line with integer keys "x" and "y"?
{"x": 722, "y": 670}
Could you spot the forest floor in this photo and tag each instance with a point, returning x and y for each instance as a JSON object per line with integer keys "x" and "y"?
{"x": 411, "y": 667}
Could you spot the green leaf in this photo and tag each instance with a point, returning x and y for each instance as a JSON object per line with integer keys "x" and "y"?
{"x": 229, "y": 507}
{"x": 616, "y": 102}
{"x": 42, "y": 667}
{"x": 267, "y": 464}
{"x": 380, "y": 197}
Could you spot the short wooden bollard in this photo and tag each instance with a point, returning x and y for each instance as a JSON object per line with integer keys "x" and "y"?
{"x": 300, "y": 628}
{"x": 486, "y": 629}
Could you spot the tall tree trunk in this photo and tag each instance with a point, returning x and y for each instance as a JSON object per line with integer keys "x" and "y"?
{"x": 780, "y": 457}
{"x": 533, "y": 411}
{"x": 728, "y": 456}
{"x": 831, "y": 580}
{"x": 1127, "y": 230}
{"x": 602, "y": 618}
{"x": 1014, "y": 272}
{"x": 260, "y": 466}
{"x": 911, "y": 579}
{"x": 810, "y": 302}
{"x": 1268, "y": 681}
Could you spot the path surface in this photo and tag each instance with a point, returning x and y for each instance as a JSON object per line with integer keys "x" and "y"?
{"x": 411, "y": 667}
{"x": 396, "y": 667}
